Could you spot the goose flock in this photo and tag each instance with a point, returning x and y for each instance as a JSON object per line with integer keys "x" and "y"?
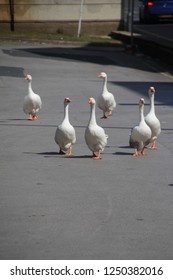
{"x": 143, "y": 134}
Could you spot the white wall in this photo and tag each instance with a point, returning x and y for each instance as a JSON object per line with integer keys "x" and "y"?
{"x": 47, "y": 11}
{"x": 54, "y": 10}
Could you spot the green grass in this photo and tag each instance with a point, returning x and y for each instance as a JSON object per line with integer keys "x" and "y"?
{"x": 59, "y": 37}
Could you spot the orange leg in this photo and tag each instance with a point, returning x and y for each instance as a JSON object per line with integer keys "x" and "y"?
{"x": 153, "y": 147}
{"x": 34, "y": 118}
{"x": 97, "y": 156}
{"x": 69, "y": 152}
{"x": 136, "y": 154}
{"x": 30, "y": 118}
{"x": 142, "y": 152}
{"x": 110, "y": 113}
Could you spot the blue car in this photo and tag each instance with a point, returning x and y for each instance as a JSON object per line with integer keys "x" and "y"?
{"x": 154, "y": 10}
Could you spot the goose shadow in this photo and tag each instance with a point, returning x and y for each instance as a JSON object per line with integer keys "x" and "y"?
{"x": 18, "y": 119}
{"x": 48, "y": 153}
{"x": 45, "y": 154}
{"x": 23, "y": 123}
{"x": 124, "y": 147}
{"x": 122, "y": 153}
{"x": 78, "y": 157}
{"x": 6, "y": 121}
{"x": 56, "y": 154}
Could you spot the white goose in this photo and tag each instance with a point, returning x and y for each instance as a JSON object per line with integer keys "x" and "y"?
{"x": 152, "y": 120}
{"x": 65, "y": 135}
{"x": 95, "y": 136}
{"x": 106, "y": 101}
{"x": 32, "y": 101}
{"x": 140, "y": 134}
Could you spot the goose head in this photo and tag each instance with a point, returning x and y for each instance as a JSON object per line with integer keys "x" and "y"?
{"x": 28, "y": 77}
{"x": 141, "y": 102}
{"x": 102, "y": 75}
{"x": 151, "y": 90}
{"x": 67, "y": 100}
{"x": 91, "y": 101}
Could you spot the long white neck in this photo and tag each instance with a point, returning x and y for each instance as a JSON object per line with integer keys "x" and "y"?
{"x": 141, "y": 113}
{"x": 92, "y": 119}
{"x": 30, "y": 91}
{"x": 152, "y": 108}
{"x": 105, "y": 84}
{"x": 66, "y": 114}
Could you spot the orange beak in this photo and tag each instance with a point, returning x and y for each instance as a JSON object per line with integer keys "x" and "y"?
{"x": 151, "y": 89}
{"x": 142, "y": 101}
{"x": 90, "y": 101}
{"x": 68, "y": 99}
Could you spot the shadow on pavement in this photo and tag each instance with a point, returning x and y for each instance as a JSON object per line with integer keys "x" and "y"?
{"x": 108, "y": 56}
{"x": 91, "y": 55}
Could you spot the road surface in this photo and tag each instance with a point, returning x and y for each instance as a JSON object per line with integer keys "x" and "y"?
{"x": 53, "y": 207}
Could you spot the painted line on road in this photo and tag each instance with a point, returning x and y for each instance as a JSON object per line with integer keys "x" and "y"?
{"x": 168, "y": 75}
{"x": 157, "y": 68}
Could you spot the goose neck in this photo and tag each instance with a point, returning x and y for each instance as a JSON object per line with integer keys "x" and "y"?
{"x": 105, "y": 84}
{"x": 66, "y": 112}
{"x": 92, "y": 119}
{"x": 152, "y": 108}
{"x": 141, "y": 113}
{"x": 30, "y": 87}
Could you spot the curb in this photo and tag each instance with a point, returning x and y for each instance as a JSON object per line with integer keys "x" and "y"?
{"x": 100, "y": 46}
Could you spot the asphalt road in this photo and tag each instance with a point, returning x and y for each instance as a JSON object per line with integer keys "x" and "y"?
{"x": 53, "y": 207}
{"x": 160, "y": 33}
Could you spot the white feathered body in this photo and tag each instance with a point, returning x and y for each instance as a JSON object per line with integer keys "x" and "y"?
{"x": 153, "y": 123}
{"x": 65, "y": 135}
{"x": 140, "y": 136}
{"x": 151, "y": 119}
{"x": 106, "y": 100}
{"x": 32, "y": 101}
{"x": 141, "y": 133}
{"x": 95, "y": 136}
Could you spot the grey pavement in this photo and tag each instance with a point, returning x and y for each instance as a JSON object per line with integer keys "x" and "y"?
{"x": 54, "y": 207}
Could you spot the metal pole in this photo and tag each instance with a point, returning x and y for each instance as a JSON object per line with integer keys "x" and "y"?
{"x": 132, "y": 16}
{"x": 80, "y": 18}
{"x": 129, "y": 16}
{"x": 130, "y": 19}
{"x": 11, "y": 3}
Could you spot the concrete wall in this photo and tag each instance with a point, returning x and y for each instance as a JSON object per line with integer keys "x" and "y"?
{"x": 99, "y": 16}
